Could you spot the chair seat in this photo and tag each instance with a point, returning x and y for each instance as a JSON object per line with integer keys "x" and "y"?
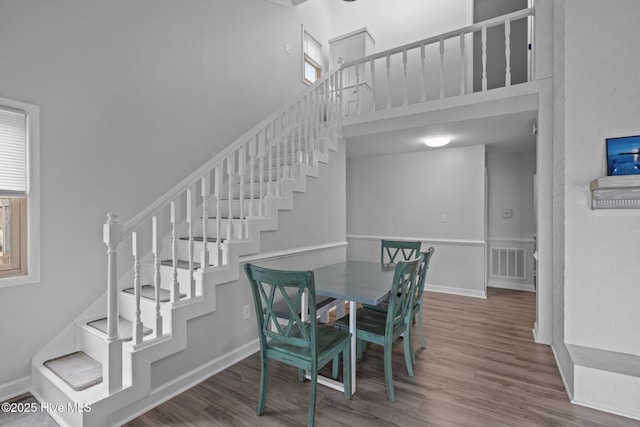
{"x": 370, "y": 322}
{"x": 327, "y": 339}
{"x": 281, "y": 310}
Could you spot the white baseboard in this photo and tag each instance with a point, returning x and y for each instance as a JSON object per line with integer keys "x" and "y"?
{"x": 513, "y": 286}
{"x": 564, "y": 380}
{"x": 183, "y": 383}
{"x": 15, "y": 388}
{"x": 604, "y": 408}
{"x": 456, "y": 291}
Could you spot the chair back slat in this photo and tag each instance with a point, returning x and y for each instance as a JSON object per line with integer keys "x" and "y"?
{"x": 422, "y": 275}
{"x": 393, "y": 251}
{"x": 267, "y": 286}
{"x": 403, "y": 287}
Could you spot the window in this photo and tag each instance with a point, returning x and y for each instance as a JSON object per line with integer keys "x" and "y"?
{"x": 19, "y": 200}
{"x": 311, "y": 58}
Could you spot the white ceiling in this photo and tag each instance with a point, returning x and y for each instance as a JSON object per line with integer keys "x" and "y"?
{"x": 505, "y": 133}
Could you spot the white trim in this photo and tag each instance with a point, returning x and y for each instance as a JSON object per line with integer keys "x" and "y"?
{"x": 604, "y": 408}
{"x": 528, "y": 287}
{"x": 459, "y": 242}
{"x": 511, "y": 240}
{"x": 456, "y": 291}
{"x": 286, "y": 253}
{"x": 564, "y": 380}
{"x": 15, "y": 388}
{"x": 33, "y": 196}
{"x": 184, "y": 382}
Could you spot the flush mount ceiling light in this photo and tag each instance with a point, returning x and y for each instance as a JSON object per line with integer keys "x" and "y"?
{"x": 437, "y": 141}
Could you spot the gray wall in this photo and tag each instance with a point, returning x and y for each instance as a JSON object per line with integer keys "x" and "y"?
{"x": 405, "y": 196}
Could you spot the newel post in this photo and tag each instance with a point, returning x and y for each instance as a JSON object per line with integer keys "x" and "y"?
{"x": 112, "y": 232}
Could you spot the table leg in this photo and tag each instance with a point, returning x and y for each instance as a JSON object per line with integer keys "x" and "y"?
{"x": 352, "y": 329}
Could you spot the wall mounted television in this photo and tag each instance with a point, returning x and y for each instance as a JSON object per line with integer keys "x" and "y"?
{"x": 623, "y": 155}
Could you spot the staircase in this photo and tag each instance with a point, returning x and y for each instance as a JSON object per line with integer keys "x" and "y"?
{"x": 166, "y": 263}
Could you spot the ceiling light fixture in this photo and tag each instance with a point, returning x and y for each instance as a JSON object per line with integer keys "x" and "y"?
{"x": 437, "y": 141}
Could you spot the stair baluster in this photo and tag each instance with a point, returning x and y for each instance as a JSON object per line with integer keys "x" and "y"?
{"x": 268, "y": 136}
{"x": 242, "y": 159}
{"x": 423, "y": 91}
{"x": 463, "y": 71}
{"x": 373, "y": 85}
{"x": 261, "y": 153}
{"x": 484, "y": 58}
{"x": 136, "y": 243}
{"x": 217, "y": 188}
{"x": 278, "y": 138}
{"x": 230, "y": 181}
{"x": 190, "y": 207}
{"x": 441, "y": 68}
{"x": 252, "y": 178}
{"x": 205, "y": 192}
{"x": 155, "y": 249}
{"x": 175, "y": 285}
{"x": 507, "y": 52}
{"x": 388, "y": 82}
{"x": 285, "y": 143}
{"x": 405, "y": 96}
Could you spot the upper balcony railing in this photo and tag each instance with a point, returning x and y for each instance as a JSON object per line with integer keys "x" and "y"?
{"x": 438, "y": 67}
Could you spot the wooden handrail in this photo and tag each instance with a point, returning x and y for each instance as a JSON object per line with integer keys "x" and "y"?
{"x": 434, "y": 39}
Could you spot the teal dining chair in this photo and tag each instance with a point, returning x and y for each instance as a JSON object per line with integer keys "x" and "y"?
{"x": 392, "y": 251}
{"x": 418, "y": 302}
{"x": 383, "y": 328}
{"x": 304, "y": 345}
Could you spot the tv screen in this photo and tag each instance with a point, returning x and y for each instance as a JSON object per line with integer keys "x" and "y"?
{"x": 623, "y": 155}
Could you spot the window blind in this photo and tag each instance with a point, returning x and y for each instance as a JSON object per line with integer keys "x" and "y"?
{"x": 13, "y": 153}
{"x": 312, "y": 48}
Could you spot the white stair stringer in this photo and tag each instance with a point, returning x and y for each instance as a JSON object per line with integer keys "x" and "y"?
{"x": 137, "y": 360}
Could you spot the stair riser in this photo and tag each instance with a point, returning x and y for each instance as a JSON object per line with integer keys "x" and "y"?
{"x": 224, "y": 225}
{"x": 266, "y": 185}
{"x": 247, "y": 206}
{"x": 127, "y": 304}
{"x": 183, "y": 252}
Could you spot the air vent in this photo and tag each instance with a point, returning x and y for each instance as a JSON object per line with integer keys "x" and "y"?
{"x": 508, "y": 263}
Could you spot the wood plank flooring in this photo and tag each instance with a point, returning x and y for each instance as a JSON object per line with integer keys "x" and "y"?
{"x": 480, "y": 368}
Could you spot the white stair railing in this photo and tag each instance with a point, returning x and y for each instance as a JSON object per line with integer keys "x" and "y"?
{"x": 413, "y": 66}
{"x": 313, "y": 113}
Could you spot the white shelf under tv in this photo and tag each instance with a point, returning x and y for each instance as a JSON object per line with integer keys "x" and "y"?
{"x": 616, "y": 192}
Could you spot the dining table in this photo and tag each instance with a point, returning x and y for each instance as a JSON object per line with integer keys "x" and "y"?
{"x": 358, "y": 282}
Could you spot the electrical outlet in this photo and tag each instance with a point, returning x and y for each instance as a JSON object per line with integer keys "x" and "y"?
{"x": 507, "y": 213}
{"x": 247, "y": 311}
{"x": 287, "y": 48}
{"x": 443, "y": 218}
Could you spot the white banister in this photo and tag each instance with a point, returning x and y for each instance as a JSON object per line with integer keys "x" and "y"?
{"x": 231, "y": 168}
{"x": 252, "y": 180}
{"x": 242, "y": 158}
{"x": 136, "y": 243}
{"x": 440, "y": 43}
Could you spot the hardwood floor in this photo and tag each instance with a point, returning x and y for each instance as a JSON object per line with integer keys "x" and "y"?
{"x": 480, "y": 368}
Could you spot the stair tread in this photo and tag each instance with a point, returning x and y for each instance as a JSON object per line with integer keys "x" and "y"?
{"x": 149, "y": 292}
{"x": 181, "y": 264}
{"x": 199, "y": 239}
{"x": 77, "y": 369}
{"x": 125, "y": 327}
